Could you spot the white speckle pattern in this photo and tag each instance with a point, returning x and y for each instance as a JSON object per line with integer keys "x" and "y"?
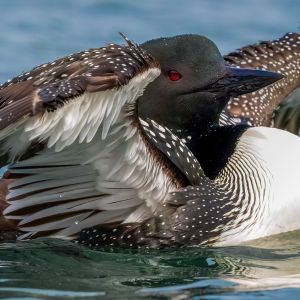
{"x": 50, "y": 86}
{"x": 257, "y": 108}
{"x": 168, "y": 143}
{"x": 70, "y": 98}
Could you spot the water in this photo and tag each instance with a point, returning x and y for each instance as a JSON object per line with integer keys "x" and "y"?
{"x": 49, "y": 269}
{"x": 34, "y": 32}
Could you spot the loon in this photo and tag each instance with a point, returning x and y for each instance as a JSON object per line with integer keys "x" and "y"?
{"x": 243, "y": 192}
{"x": 122, "y": 218}
{"x": 71, "y": 130}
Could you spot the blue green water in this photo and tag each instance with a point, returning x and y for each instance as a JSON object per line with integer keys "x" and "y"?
{"x": 50, "y": 269}
{"x": 36, "y": 31}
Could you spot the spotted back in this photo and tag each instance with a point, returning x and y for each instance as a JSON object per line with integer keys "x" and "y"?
{"x": 281, "y": 55}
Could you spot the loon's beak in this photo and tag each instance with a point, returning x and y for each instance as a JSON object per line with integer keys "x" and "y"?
{"x": 242, "y": 81}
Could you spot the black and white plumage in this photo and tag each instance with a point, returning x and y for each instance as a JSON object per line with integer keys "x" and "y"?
{"x": 99, "y": 167}
{"x": 174, "y": 149}
{"x": 264, "y": 187}
{"x": 65, "y": 189}
{"x": 267, "y": 107}
{"x": 259, "y": 181}
{"x": 58, "y": 102}
{"x": 252, "y": 195}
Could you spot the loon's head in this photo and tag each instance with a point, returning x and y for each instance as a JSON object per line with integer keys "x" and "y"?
{"x": 195, "y": 83}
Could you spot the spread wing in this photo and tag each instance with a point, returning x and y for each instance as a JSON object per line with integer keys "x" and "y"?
{"x": 104, "y": 183}
{"x": 257, "y": 108}
{"x": 71, "y": 98}
{"x": 82, "y": 108}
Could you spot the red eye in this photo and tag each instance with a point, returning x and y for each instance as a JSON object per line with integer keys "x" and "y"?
{"x": 174, "y": 75}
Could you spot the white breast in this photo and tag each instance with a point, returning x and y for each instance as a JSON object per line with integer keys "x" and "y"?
{"x": 276, "y": 154}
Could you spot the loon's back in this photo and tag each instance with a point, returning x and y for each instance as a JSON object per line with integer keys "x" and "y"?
{"x": 268, "y": 106}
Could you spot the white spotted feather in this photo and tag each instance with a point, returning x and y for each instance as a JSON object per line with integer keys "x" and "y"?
{"x": 78, "y": 119}
{"x": 111, "y": 178}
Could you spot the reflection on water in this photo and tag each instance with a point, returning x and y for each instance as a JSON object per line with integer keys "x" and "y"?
{"x": 66, "y": 270}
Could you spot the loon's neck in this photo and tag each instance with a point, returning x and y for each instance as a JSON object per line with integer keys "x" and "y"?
{"x": 214, "y": 146}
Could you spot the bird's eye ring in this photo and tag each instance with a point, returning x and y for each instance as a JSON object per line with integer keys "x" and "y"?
{"x": 174, "y": 75}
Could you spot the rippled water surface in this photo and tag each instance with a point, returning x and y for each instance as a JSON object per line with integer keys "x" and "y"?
{"x": 34, "y": 32}
{"x": 50, "y": 269}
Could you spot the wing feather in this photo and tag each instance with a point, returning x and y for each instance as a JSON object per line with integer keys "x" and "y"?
{"x": 280, "y": 55}
{"x": 72, "y": 97}
{"x": 57, "y": 190}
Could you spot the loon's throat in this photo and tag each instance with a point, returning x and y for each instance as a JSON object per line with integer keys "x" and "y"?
{"x": 214, "y": 147}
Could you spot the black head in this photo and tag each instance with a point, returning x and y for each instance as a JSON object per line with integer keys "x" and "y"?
{"x": 195, "y": 83}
